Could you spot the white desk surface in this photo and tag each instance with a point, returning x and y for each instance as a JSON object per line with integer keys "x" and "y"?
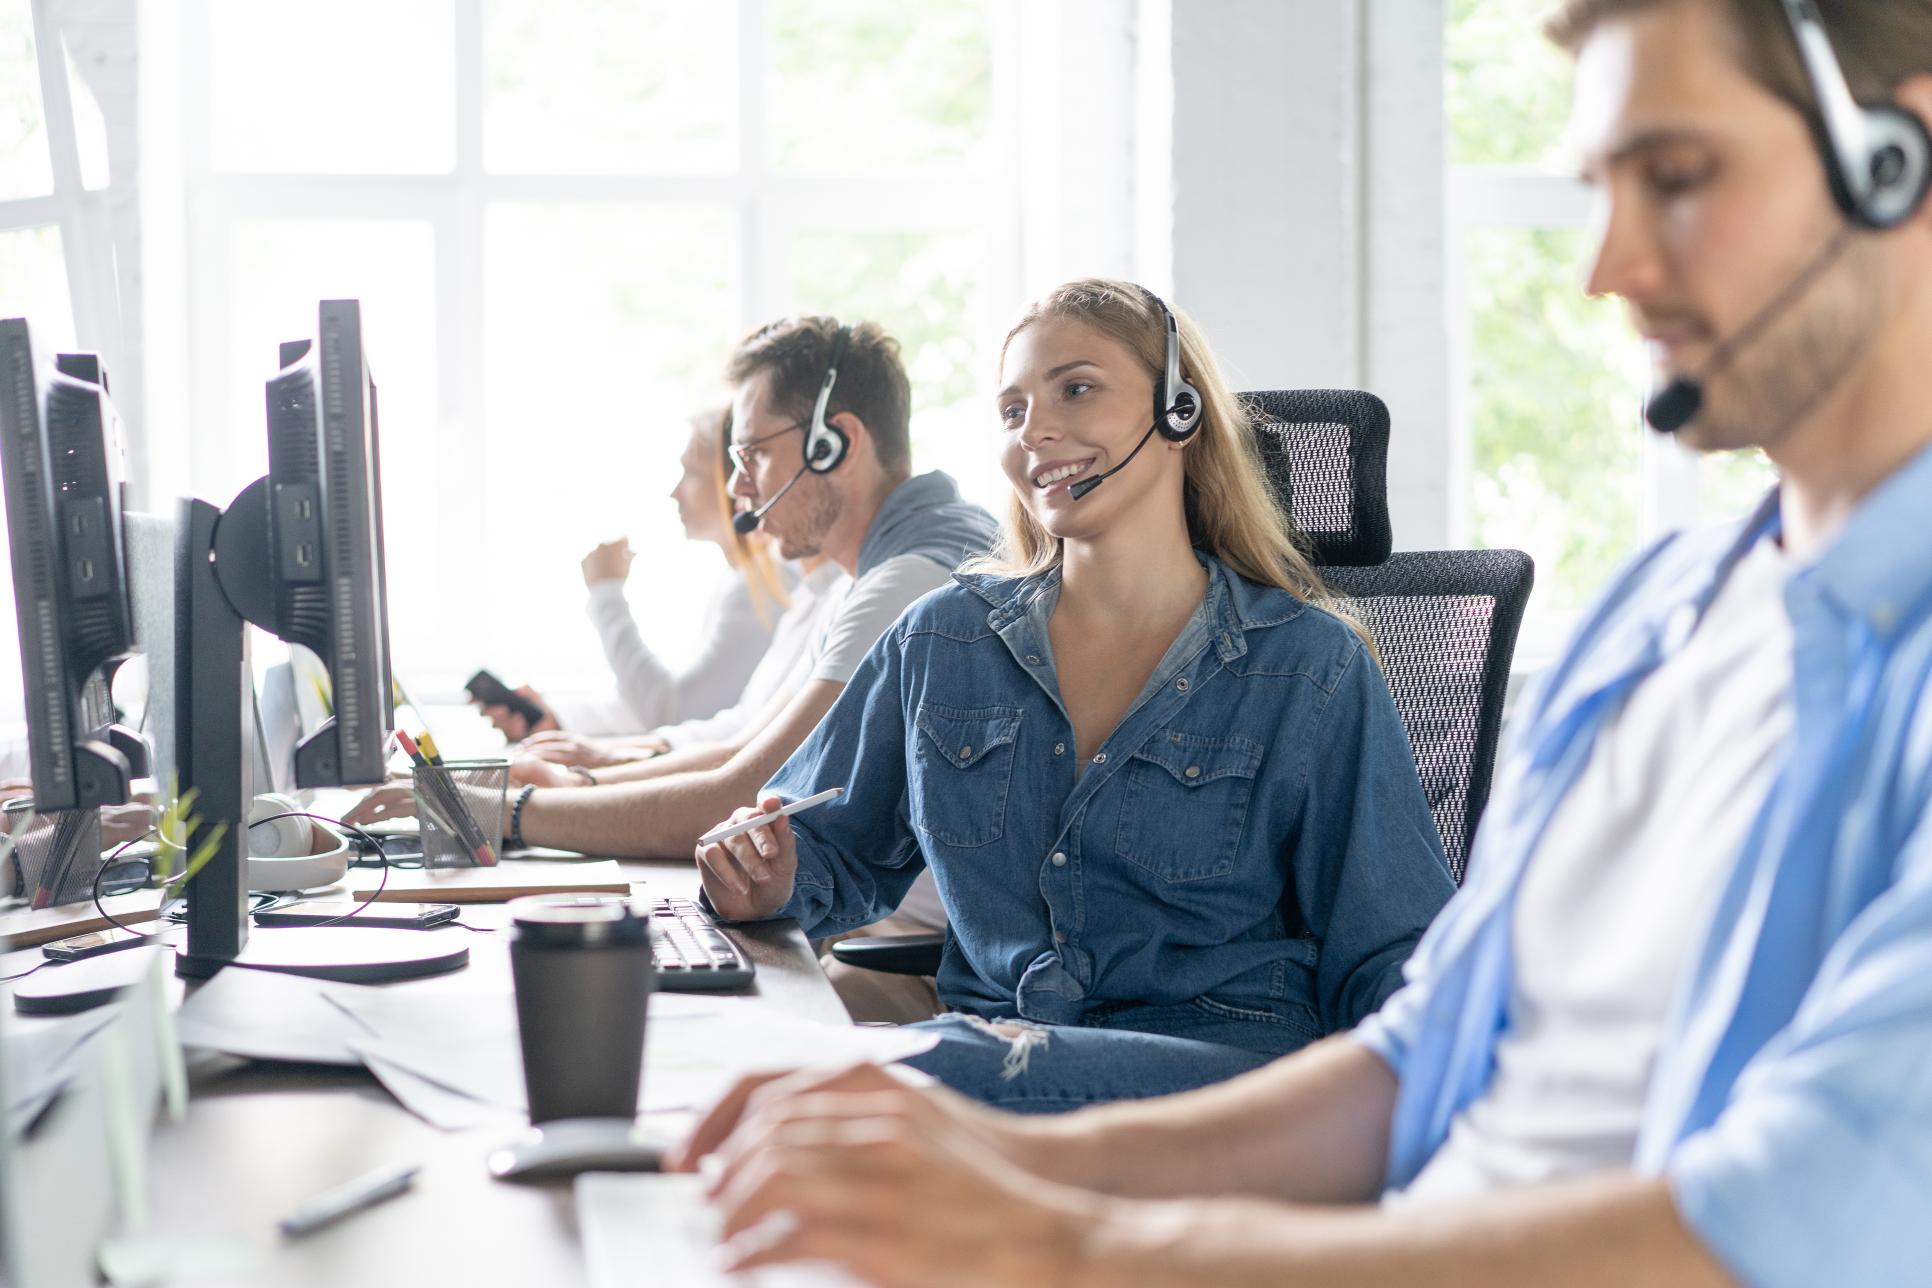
{"x": 260, "y": 1139}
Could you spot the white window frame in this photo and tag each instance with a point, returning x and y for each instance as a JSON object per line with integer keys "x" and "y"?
{"x": 772, "y": 207}
{"x": 1519, "y": 197}
{"x": 80, "y": 213}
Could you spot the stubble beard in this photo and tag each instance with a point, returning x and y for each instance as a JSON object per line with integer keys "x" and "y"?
{"x": 817, "y": 507}
{"x": 1800, "y": 360}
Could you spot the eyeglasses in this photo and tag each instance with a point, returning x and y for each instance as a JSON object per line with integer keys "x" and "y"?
{"x": 748, "y": 456}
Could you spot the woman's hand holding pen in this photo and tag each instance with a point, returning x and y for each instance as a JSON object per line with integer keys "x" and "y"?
{"x": 749, "y": 876}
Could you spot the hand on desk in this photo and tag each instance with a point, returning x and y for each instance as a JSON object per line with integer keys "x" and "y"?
{"x": 876, "y": 1170}
{"x": 515, "y": 727}
{"x": 119, "y": 823}
{"x": 561, "y": 747}
{"x": 394, "y": 799}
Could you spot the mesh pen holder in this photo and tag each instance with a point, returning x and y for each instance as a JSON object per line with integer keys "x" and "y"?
{"x": 463, "y": 806}
{"x": 56, "y": 859}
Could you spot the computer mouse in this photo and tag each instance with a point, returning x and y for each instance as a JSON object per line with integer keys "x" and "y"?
{"x": 562, "y": 1148}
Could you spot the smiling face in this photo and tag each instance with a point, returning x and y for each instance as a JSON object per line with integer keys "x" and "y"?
{"x": 1075, "y": 402}
{"x": 1711, "y": 203}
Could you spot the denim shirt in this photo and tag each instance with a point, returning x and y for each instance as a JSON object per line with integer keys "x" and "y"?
{"x": 1791, "y": 1104}
{"x": 1253, "y": 830}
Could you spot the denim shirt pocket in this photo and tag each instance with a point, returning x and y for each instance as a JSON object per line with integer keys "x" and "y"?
{"x": 963, "y": 761}
{"x": 1185, "y": 804}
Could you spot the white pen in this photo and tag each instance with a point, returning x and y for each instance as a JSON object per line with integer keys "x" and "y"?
{"x": 739, "y": 829}
{"x": 353, "y": 1196}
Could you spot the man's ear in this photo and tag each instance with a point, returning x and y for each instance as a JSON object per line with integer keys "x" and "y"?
{"x": 1914, "y": 95}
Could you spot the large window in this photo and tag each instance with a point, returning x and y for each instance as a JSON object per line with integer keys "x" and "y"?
{"x": 1549, "y": 383}
{"x": 53, "y": 177}
{"x": 559, "y": 217}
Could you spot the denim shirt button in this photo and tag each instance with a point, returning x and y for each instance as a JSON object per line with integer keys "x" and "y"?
{"x": 1059, "y": 748}
{"x": 1173, "y": 737}
{"x": 1181, "y": 684}
{"x": 1059, "y": 859}
{"x": 1193, "y": 771}
{"x": 1100, "y": 758}
{"x": 1059, "y": 936}
{"x": 965, "y": 753}
{"x": 1032, "y": 659}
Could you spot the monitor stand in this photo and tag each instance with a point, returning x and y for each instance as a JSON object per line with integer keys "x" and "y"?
{"x": 345, "y": 954}
{"x": 220, "y": 573}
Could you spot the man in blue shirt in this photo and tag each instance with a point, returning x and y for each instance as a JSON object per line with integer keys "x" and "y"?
{"x": 1676, "y": 1027}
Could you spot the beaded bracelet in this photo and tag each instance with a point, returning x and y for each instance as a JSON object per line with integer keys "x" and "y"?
{"x": 516, "y": 816}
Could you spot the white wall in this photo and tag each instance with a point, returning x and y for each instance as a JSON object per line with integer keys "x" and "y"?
{"x": 1307, "y": 208}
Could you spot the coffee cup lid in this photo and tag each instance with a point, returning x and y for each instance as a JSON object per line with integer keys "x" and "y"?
{"x": 579, "y": 918}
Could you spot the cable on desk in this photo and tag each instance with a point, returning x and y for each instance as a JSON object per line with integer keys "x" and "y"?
{"x": 382, "y": 861}
{"x": 8, "y": 979}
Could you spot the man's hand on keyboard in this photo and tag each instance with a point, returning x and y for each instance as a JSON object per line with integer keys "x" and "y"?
{"x": 749, "y": 876}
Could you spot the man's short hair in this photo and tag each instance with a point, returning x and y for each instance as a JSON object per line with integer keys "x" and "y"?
{"x": 872, "y": 382}
{"x": 1878, "y": 42}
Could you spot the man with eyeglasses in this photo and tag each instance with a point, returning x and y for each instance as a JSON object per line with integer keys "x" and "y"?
{"x": 857, "y": 502}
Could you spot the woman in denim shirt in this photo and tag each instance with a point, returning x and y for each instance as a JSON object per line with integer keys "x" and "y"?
{"x": 1162, "y": 787}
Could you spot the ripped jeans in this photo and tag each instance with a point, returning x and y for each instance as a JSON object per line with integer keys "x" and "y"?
{"x": 1033, "y": 1068}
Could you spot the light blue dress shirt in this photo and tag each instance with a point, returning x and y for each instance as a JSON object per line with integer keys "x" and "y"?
{"x": 1791, "y": 1104}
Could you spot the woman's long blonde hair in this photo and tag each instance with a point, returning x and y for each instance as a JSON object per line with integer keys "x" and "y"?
{"x": 751, "y": 556}
{"x": 1230, "y": 511}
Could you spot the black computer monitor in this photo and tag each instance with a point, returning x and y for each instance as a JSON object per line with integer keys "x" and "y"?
{"x": 299, "y": 553}
{"x": 60, "y": 452}
{"x": 326, "y": 546}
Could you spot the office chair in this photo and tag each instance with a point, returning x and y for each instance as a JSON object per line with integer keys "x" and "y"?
{"x": 1444, "y": 621}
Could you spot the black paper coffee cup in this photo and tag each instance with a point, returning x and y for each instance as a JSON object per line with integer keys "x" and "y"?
{"x": 583, "y": 975}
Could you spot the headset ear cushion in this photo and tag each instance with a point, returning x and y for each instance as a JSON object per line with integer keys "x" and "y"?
{"x": 827, "y": 452}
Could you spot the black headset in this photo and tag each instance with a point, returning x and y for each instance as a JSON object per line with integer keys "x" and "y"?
{"x": 1177, "y": 414}
{"x": 826, "y": 444}
{"x": 1177, "y": 404}
{"x": 1877, "y": 156}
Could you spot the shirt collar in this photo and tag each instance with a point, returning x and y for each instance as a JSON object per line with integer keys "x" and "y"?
{"x": 1878, "y": 566}
{"x": 1234, "y": 605}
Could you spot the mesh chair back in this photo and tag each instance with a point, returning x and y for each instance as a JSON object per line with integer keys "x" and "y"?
{"x": 1326, "y": 453}
{"x": 1444, "y": 623}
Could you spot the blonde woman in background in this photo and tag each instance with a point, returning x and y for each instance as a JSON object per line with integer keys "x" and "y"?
{"x": 737, "y": 629}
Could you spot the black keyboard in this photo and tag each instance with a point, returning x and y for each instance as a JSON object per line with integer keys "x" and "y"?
{"x": 691, "y": 954}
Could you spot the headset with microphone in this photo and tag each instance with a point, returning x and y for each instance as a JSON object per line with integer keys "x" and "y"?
{"x": 1878, "y": 159}
{"x": 1177, "y": 404}
{"x": 825, "y": 444}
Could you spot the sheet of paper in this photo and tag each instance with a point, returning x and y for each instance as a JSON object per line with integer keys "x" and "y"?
{"x": 694, "y": 1047}
{"x": 266, "y": 1015}
{"x": 659, "y": 1229}
{"x": 41, "y": 1061}
{"x": 439, "y": 1106}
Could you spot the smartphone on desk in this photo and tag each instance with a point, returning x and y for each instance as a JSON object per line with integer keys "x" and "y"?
{"x": 492, "y": 692}
{"x": 408, "y": 916}
{"x": 76, "y": 947}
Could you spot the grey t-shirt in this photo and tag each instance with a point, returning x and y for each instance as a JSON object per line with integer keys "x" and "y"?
{"x": 922, "y": 532}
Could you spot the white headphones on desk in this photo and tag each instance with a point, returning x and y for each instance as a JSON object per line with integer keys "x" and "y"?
{"x": 291, "y": 853}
